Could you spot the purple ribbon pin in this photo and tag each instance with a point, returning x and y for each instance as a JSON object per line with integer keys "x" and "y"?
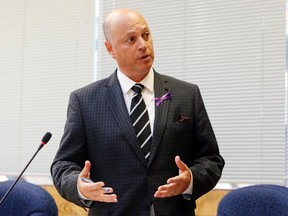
{"x": 159, "y": 100}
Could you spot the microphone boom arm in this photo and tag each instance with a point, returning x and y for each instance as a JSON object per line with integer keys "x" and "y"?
{"x": 45, "y": 140}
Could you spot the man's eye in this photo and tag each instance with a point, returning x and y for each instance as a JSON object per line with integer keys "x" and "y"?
{"x": 131, "y": 39}
{"x": 146, "y": 35}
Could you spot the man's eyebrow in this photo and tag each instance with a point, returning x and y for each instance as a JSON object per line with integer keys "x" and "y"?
{"x": 131, "y": 32}
{"x": 127, "y": 33}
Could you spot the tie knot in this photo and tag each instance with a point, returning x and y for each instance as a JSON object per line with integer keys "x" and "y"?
{"x": 137, "y": 88}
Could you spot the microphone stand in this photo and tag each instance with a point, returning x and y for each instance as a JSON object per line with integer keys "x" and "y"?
{"x": 12, "y": 186}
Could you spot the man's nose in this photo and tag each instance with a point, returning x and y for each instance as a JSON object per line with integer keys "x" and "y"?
{"x": 142, "y": 44}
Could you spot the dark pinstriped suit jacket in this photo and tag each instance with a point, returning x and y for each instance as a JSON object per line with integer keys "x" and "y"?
{"x": 99, "y": 129}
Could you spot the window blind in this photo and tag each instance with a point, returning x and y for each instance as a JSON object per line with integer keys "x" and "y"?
{"x": 46, "y": 51}
{"x": 235, "y": 52}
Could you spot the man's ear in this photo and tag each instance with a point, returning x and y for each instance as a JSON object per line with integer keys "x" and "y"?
{"x": 109, "y": 48}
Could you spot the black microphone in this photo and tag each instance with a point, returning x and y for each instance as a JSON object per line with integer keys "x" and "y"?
{"x": 44, "y": 141}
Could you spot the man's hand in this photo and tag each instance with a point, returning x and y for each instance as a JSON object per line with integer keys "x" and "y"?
{"x": 175, "y": 185}
{"x": 94, "y": 191}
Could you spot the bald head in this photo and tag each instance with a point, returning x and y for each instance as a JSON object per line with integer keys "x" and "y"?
{"x": 114, "y": 18}
{"x": 129, "y": 42}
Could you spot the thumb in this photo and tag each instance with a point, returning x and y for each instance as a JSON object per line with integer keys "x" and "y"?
{"x": 86, "y": 170}
{"x": 182, "y": 166}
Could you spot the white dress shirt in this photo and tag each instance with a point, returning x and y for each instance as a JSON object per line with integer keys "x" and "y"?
{"x": 147, "y": 93}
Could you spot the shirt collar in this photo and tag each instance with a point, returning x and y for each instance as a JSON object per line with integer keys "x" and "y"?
{"x": 126, "y": 83}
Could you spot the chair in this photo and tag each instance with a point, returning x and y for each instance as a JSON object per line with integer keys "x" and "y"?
{"x": 255, "y": 200}
{"x": 26, "y": 199}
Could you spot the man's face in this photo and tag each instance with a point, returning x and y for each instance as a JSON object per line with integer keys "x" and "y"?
{"x": 131, "y": 45}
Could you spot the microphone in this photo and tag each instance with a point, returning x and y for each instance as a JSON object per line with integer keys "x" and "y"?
{"x": 44, "y": 141}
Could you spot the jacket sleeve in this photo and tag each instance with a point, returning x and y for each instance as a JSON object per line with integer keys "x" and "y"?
{"x": 208, "y": 165}
{"x": 70, "y": 157}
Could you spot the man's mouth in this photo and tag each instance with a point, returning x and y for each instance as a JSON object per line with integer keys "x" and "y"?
{"x": 144, "y": 57}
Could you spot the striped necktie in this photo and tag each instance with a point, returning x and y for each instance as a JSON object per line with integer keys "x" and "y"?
{"x": 140, "y": 120}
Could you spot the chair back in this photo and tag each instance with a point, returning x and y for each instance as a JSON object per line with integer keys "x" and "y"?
{"x": 255, "y": 200}
{"x": 26, "y": 199}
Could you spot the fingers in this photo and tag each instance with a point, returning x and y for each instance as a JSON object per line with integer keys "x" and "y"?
{"x": 172, "y": 188}
{"x": 177, "y": 184}
{"x": 86, "y": 170}
{"x": 97, "y": 192}
{"x": 94, "y": 191}
{"x": 167, "y": 190}
{"x": 181, "y": 166}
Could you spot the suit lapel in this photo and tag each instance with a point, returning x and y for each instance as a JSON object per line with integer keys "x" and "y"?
{"x": 117, "y": 104}
{"x": 161, "y": 87}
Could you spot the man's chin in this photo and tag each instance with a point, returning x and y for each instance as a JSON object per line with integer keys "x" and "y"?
{"x": 147, "y": 63}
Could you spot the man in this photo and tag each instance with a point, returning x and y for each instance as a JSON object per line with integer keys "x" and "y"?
{"x": 158, "y": 168}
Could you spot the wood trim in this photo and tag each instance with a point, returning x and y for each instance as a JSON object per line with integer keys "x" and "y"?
{"x": 206, "y": 205}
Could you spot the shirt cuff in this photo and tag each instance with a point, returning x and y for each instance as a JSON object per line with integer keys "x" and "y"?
{"x": 83, "y": 199}
{"x": 188, "y": 192}
{"x": 81, "y": 196}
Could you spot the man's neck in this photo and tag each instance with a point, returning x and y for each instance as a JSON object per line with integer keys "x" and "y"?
{"x": 135, "y": 76}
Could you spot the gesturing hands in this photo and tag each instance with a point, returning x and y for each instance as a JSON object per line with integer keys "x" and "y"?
{"x": 175, "y": 185}
{"x": 94, "y": 191}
